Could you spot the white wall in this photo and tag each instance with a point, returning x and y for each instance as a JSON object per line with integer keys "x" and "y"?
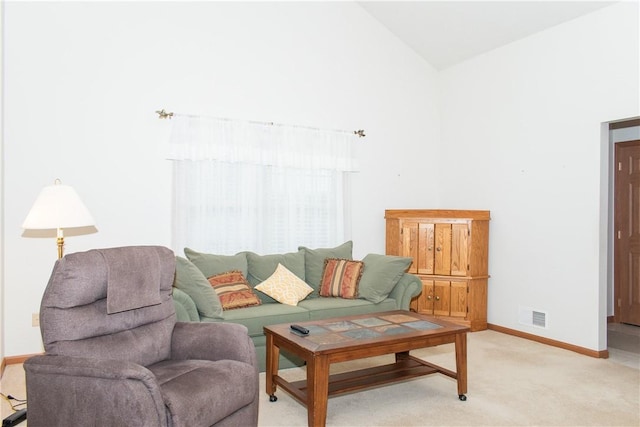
{"x": 521, "y": 136}
{"x": 520, "y": 132}
{"x": 83, "y": 80}
{"x": 1, "y": 185}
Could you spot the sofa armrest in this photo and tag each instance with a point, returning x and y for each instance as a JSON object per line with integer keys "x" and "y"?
{"x": 69, "y": 387}
{"x": 212, "y": 341}
{"x": 186, "y": 310}
{"x": 407, "y": 287}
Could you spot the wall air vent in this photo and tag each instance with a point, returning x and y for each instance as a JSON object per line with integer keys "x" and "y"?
{"x": 532, "y": 317}
{"x": 539, "y": 319}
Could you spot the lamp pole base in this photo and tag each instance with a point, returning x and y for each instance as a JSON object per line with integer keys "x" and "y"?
{"x": 60, "y": 247}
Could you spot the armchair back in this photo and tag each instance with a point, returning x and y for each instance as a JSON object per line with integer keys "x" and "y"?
{"x": 111, "y": 304}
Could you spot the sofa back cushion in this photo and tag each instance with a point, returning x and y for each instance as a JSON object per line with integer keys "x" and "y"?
{"x": 212, "y": 264}
{"x": 192, "y": 281}
{"x": 261, "y": 267}
{"x": 381, "y": 274}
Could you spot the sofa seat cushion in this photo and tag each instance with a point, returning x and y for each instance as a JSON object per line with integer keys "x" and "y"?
{"x": 323, "y": 308}
{"x": 229, "y": 386}
{"x": 257, "y": 317}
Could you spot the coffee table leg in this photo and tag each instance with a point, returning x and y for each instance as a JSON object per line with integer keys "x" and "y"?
{"x": 273, "y": 359}
{"x": 402, "y": 356}
{"x": 317, "y": 390}
{"x": 461, "y": 364}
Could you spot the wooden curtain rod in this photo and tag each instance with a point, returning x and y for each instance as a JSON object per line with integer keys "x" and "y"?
{"x": 162, "y": 114}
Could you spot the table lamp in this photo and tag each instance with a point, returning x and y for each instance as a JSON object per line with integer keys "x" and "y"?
{"x": 58, "y": 207}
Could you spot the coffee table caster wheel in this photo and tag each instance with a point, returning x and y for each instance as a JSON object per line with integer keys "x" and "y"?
{"x": 272, "y": 398}
{"x": 462, "y": 397}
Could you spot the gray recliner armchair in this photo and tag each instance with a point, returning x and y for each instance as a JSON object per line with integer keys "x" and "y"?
{"x": 115, "y": 355}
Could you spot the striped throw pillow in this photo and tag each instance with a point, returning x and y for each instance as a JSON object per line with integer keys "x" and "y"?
{"x": 233, "y": 290}
{"x": 340, "y": 278}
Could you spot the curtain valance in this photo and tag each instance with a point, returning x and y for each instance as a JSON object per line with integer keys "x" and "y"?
{"x": 235, "y": 141}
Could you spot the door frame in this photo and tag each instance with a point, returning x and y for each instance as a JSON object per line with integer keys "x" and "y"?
{"x": 612, "y": 203}
{"x": 617, "y": 294}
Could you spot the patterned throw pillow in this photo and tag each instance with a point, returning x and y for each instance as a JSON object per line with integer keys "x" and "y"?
{"x": 233, "y": 290}
{"x": 340, "y": 278}
{"x": 314, "y": 261}
{"x": 285, "y": 287}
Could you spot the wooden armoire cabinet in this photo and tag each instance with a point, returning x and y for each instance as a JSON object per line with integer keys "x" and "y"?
{"x": 450, "y": 251}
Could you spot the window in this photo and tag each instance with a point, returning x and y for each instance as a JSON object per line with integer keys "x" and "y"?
{"x": 260, "y": 187}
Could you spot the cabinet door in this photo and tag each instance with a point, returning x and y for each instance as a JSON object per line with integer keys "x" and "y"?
{"x": 423, "y": 303}
{"x": 442, "y": 255}
{"x": 425, "y": 248}
{"x": 409, "y": 243}
{"x": 460, "y": 235}
{"x": 441, "y": 297}
{"x": 459, "y": 294}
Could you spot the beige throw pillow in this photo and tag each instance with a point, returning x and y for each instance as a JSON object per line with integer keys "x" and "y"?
{"x": 285, "y": 287}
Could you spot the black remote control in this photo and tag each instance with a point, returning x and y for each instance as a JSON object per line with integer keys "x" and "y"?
{"x": 300, "y": 329}
{"x": 15, "y": 418}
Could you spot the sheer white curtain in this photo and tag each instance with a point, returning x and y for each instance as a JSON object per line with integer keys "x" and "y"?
{"x": 256, "y": 186}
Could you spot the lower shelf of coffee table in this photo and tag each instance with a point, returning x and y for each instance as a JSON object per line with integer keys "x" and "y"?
{"x": 345, "y": 382}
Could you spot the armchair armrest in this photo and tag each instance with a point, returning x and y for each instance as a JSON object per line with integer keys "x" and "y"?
{"x": 212, "y": 341}
{"x": 407, "y": 287}
{"x": 71, "y": 386}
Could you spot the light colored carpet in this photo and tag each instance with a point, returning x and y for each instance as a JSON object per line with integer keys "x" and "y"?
{"x": 512, "y": 382}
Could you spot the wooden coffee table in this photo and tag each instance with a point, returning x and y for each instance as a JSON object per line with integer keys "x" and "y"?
{"x": 340, "y": 339}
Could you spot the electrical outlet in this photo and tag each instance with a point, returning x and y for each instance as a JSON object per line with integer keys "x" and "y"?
{"x": 35, "y": 319}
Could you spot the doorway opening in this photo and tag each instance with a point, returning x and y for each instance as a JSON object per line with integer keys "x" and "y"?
{"x": 623, "y": 305}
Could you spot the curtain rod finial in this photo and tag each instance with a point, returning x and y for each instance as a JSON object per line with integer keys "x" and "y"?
{"x": 163, "y": 114}
{"x": 360, "y": 133}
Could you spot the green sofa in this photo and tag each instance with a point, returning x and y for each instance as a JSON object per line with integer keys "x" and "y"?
{"x": 383, "y": 286}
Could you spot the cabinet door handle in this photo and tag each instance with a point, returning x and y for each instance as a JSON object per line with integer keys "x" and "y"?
{"x": 428, "y": 297}
{"x": 438, "y": 249}
{"x": 437, "y": 298}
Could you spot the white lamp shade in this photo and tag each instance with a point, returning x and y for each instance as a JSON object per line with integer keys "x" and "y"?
{"x": 58, "y": 206}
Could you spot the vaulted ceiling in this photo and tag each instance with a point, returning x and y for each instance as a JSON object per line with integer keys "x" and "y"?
{"x": 445, "y": 33}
